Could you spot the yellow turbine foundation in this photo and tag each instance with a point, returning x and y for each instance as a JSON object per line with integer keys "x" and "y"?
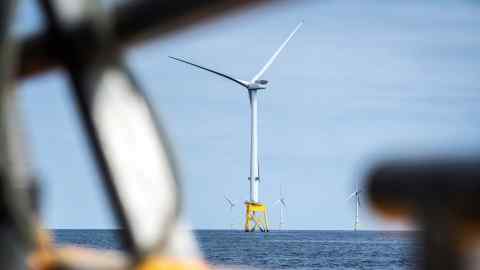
{"x": 256, "y": 217}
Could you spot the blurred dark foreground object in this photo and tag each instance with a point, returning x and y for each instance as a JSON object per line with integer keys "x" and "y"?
{"x": 130, "y": 148}
{"x": 442, "y": 197}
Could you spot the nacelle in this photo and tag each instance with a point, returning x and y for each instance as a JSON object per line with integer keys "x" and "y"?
{"x": 261, "y": 82}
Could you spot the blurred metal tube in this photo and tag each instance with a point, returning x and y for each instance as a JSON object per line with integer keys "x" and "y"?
{"x": 404, "y": 186}
{"x": 133, "y": 22}
{"x": 17, "y": 233}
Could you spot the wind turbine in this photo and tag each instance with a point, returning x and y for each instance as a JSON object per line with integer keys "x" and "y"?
{"x": 231, "y": 205}
{"x": 283, "y": 206}
{"x": 356, "y": 195}
{"x": 253, "y": 206}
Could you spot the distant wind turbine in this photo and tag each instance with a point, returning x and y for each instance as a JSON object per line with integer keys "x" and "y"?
{"x": 253, "y": 206}
{"x": 231, "y": 204}
{"x": 283, "y": 206}
{"x": 356, "y": 195}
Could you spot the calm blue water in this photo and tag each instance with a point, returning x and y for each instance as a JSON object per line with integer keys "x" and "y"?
{"x": 283, "y": 249}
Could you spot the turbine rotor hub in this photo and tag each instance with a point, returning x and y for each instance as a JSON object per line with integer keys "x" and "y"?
{"x": 261, "y": 82}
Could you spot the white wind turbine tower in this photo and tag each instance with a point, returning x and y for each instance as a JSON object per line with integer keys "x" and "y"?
{"x": 356, "y": 195}
{"x": 253, "y": 205}
{"x": 283, "y": 207}
{"x": 231, "y": 205}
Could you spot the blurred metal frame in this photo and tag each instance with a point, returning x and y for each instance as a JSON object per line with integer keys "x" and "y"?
{"x": 17, "y": 216}
{"x": 132, "y": 22}
{"x": 87, "y": 42}
{"x": 81, "y": 58}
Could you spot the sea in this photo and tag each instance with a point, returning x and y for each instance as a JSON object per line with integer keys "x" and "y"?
{"x": 282, "y": 249}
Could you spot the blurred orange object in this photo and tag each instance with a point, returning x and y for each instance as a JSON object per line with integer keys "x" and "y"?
{"x": 158, "y": 263}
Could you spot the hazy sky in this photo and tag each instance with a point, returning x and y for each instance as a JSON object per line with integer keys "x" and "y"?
{"x": 359, "y": 82}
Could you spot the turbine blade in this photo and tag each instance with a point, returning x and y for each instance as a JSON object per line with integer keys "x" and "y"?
{"x": 229, "y": 201}
{"x": 283, "y": 202}
{"x": 242, "y": 83}
{"x": 270, "y": 61}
